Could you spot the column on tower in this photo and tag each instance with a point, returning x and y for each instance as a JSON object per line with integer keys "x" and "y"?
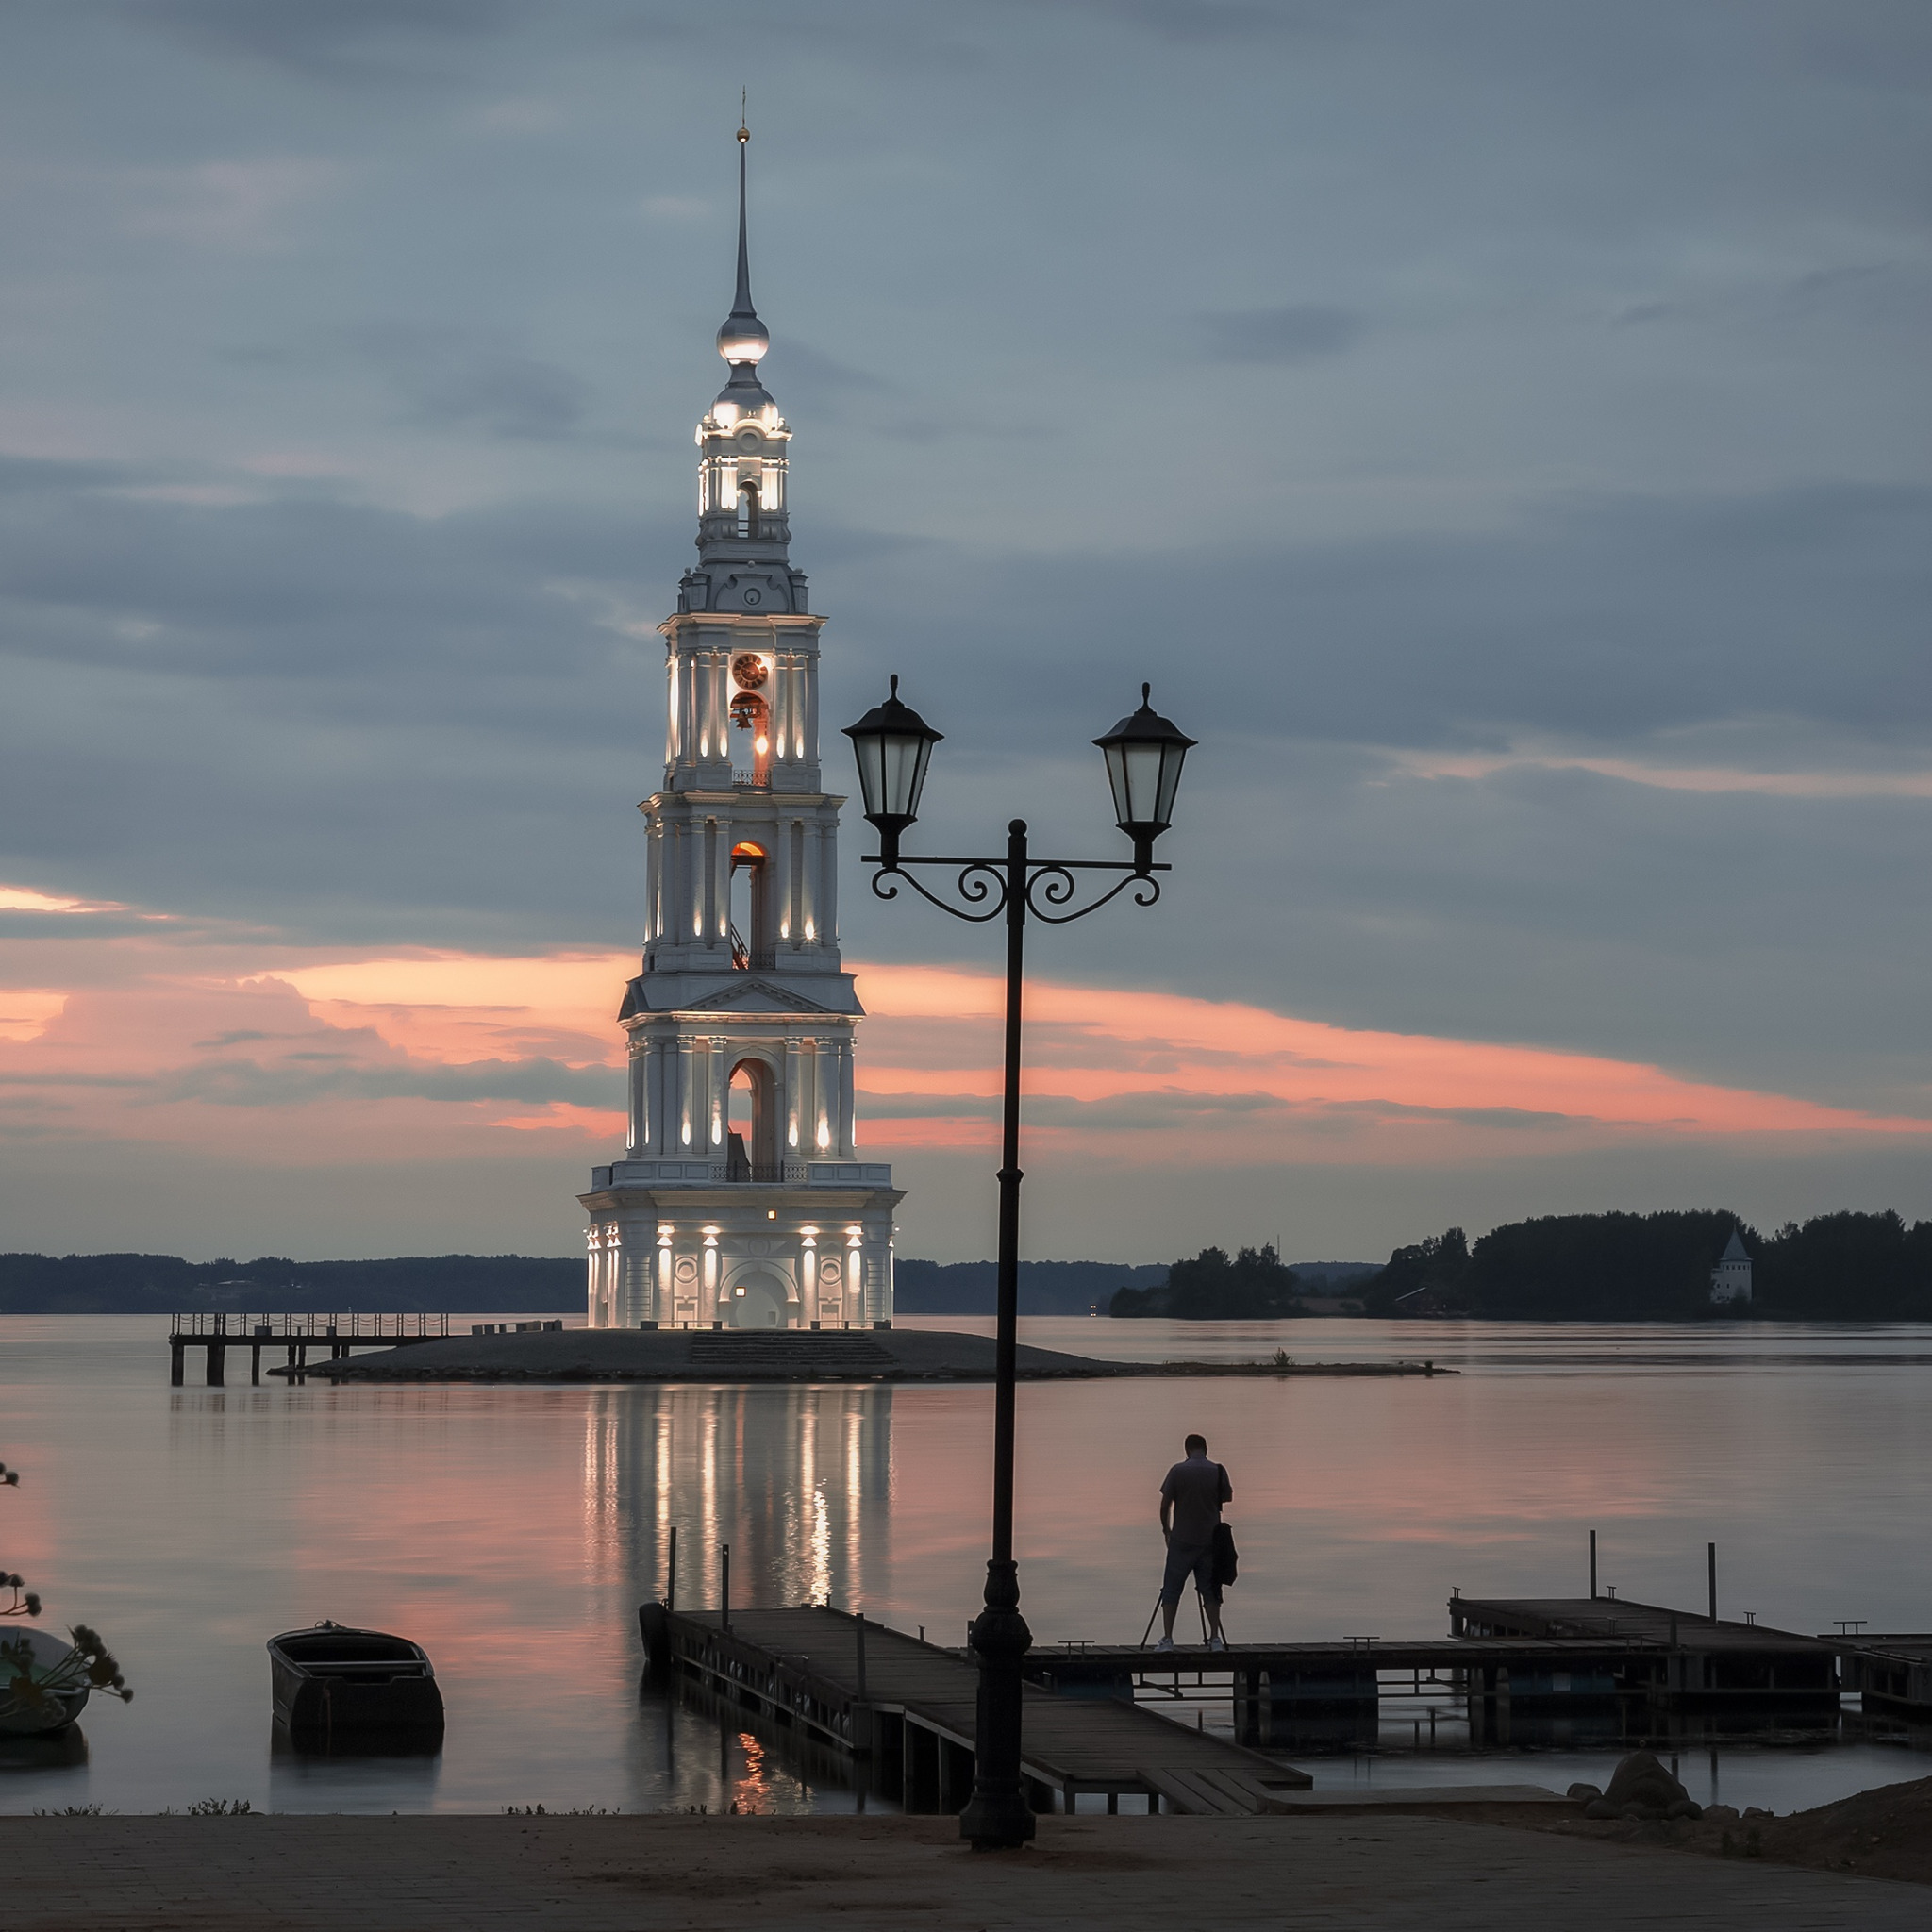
{"x": 828, "y": 891}
{"x": 807, "y": 877}
{"x": 781, "y": 881}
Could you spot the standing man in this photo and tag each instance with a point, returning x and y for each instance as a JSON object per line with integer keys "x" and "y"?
{"x": 1190, "y": 1501}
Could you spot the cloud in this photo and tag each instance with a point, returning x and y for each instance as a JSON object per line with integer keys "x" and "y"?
{"x": 450, "y": 379}
{"x": 1559, "y": 685}
{"x": 1297, "y": 332}
{"x": 24, "y": 899}
{"x": 301, "y": 1079}
{"x": 248, "y": 204}
{"x": 328, "y": 40}
{"x": 1234, "y": 1059}
{"x": 1706, "y": 778}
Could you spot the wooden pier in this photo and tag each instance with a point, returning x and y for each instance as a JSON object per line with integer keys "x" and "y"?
{"x": 331, "y": 1336}
{"x": 1685, "y": 1660}
{"x": 859, "y": 1693}
{"x": 1539, "y": 1651}
{"x": 1889, "y": 1673}
{"x": 909, "y": 1709}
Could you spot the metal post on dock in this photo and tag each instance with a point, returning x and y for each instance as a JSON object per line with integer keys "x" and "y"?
{"x": 1710, "y": 1557}
{"x": 1592, "y": 1566}
{"x": 671, "y": 1573}
{"x": 724, "y": 1586}
{"x": 858, "y": 1635}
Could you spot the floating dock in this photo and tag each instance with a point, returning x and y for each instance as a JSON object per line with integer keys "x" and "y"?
{"x": 910, "y": 1707}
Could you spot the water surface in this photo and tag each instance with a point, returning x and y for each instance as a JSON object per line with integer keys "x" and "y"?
{"x": 513, "y": 1531}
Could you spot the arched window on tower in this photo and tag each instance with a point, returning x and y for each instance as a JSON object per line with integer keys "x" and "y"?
{"x": 752, "y": 1123}
{"x": 748, "y": 508}
{"x": 753, "y": 716}
{"x": 752, "y": 946}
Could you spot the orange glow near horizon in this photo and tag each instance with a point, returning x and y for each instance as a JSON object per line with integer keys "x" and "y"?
{"x": 415, "y": 1055}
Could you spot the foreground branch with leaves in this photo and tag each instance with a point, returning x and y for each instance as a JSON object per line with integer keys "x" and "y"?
{"x": 32, "y": 1684}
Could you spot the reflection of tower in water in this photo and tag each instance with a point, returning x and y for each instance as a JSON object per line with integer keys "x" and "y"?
{"x": 797, "y": 1480}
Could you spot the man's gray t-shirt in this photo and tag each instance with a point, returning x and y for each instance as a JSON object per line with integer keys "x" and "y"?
{"x": 1197, "y": 1488}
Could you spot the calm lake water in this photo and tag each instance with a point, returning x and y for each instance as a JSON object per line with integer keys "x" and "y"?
{"x": 513, "y": 1532}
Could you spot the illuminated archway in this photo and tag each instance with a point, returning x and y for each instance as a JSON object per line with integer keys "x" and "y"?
{"x": 752, "y": 1106}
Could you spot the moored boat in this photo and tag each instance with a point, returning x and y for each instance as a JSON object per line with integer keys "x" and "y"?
{"x": 333, "y": 1679}
{"x": 60, "y": 1699}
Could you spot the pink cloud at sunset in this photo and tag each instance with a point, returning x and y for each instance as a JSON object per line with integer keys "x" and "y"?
{"x": 1875, "y": 783}
{"x": 249, "y": 1052}
{"x": 1204, "y": 1071}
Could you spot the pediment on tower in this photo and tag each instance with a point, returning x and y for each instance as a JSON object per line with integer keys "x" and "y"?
{"x": 751, "y": 995}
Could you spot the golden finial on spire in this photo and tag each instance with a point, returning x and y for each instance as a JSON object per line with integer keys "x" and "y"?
{"x": 744, "y": 117}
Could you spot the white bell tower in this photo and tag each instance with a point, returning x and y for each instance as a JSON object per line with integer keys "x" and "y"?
{"x": 740, "y": 1200}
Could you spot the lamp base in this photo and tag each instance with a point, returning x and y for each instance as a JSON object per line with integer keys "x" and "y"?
{"x": 999, "y": 1819}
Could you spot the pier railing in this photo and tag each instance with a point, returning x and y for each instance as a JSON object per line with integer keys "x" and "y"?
{"x": 350, "y": 1325}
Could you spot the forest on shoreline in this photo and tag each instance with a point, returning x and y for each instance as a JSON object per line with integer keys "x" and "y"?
{"x": 1842, "y": 1266}
{"x": 471, "y": 1284}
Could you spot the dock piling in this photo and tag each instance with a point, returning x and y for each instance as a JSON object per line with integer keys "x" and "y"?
{"x": 859, "y": 1641}
{"x": 724, "y": 1586}
{"x": 1592, "y": 1566}
{"x": 1710, "y": 1557}
{"x": 671, "y": 1573}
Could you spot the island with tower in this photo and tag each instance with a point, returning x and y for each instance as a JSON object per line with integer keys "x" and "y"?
{"x": 740, "y": 1200}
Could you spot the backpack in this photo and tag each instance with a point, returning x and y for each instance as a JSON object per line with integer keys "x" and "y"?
{"x": 1226, "y": 1560}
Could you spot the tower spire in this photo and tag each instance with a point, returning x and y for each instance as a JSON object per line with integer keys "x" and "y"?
{"x": 743, "y": 338}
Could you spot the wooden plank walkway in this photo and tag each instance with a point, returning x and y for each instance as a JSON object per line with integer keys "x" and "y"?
{"x": 1694, "y": 1658}
{"x": 910, "y": 1707}
{"x": 1536, "y": 1649}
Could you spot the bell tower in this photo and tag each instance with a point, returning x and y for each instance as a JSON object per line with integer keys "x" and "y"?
{"x": 740, "y": 1200}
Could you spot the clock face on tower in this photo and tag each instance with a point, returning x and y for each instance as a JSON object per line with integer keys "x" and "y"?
{"x": 748, "y": 669}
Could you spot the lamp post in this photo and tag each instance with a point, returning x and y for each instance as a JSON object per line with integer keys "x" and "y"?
{"x": 1144, "y": 752}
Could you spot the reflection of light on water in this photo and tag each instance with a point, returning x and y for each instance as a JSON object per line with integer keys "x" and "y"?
{"x": 854, "y": 1467}
{"x": 820, "y": 1589}
{"x": 754, "y": 1786}
{"x": 795, "y": 1479}
{"x": 603, "y": 1522}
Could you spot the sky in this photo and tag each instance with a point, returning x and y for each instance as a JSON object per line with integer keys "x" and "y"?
{"x": 1500, "y": 432}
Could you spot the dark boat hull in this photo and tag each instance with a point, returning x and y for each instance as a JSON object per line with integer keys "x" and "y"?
{"x": 332, "y": 1683}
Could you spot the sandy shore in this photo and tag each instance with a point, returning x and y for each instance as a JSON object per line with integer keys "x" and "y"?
{"x": 884, "y": 1875}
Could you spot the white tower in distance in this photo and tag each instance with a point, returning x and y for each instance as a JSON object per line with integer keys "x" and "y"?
{"x": 740, "y": 1200}
{"x": 1730, "y": 1280}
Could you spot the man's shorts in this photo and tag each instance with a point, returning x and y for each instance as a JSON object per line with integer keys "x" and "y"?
{"x": 1184, "y": 1561}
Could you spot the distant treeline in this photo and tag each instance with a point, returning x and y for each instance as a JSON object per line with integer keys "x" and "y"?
{"x": 1254, "y": 1285}
{"x": 1657, "y": 1267}
{"x": 1046, "y": 1287}
{"x": 160, "y": 1284}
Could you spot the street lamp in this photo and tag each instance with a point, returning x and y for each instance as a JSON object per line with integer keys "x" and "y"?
{"x": 1145, "y": 753}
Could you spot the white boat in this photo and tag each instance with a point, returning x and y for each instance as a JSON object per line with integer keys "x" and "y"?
{"x": 33, "y": 1716}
